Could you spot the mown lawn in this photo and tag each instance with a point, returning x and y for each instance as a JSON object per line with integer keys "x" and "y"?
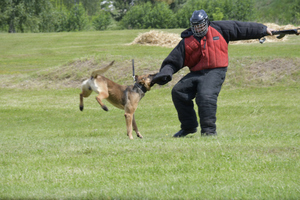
{"x": 51, "y": 150}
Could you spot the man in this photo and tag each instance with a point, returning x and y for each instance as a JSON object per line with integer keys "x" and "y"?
{"x": 204, "y": 49}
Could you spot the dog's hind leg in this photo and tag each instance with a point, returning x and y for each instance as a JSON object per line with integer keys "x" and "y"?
{"x": 81, "y": 102}
{"x": 129, "y": 121}
{"x": 102, "y": 95}
{"x": 135, "y": 128}
{"x": 84, "y": 93}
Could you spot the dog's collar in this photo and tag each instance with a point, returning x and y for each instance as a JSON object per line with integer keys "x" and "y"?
{"x": 142, "y": 87}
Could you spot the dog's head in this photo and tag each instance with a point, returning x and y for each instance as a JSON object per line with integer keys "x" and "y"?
{"x": 145, "y": 80}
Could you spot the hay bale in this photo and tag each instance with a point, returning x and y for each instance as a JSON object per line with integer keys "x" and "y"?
{"x": 157, "y": 38}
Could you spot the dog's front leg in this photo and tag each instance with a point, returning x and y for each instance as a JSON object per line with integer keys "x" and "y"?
{"x": 129, "y": 119}
{"x": 135, "y": 128}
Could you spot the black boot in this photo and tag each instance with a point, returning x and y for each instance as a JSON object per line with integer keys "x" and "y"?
{"x": 183, "y": 133}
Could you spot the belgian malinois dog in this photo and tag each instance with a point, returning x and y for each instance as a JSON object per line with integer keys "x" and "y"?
{"x": 123, "y": 97}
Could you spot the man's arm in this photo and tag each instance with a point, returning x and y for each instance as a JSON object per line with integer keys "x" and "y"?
{"x": 172, "y": 64}
{"x": 236, "y": 30}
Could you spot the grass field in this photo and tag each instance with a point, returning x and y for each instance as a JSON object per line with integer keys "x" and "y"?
{"x": 51, "y": 150}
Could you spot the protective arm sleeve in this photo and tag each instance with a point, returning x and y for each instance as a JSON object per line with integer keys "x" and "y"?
{"x": 164, "y": 76}
{"x": 236, "y": 30}
{"x": 172, "y": 64}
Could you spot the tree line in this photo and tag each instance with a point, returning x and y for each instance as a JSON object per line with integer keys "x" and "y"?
{"x": 78, "y": 15}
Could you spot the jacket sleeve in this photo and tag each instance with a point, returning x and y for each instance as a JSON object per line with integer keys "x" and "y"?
{"x": 172, "y": 64}
{"x": 236, "y": 30}
{"x": 175, "y": 60}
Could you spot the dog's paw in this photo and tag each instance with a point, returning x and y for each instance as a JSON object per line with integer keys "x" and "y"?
{"x": 139, "y": 135}
{"x": 104, "y": 107}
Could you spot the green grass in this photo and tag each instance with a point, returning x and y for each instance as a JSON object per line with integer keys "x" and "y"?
{"x": 51, "y": 150}
{"x": 21, "y": 53}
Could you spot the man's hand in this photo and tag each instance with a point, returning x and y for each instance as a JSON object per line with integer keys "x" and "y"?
{"x": 269, "y": 31}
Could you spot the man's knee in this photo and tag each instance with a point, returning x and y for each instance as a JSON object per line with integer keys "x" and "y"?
{"x": 206, "y": 100}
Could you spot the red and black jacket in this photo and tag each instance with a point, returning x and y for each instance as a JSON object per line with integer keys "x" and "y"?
{"x": 210, "y": 51}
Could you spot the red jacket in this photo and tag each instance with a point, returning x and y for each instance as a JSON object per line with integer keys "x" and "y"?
{"x": 212, "y": 52}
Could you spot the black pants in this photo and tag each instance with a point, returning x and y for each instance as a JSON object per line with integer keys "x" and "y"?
{"x": 205, "y": 86}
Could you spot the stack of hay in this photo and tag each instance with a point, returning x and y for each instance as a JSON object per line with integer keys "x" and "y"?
{"x": 157, "y": 38}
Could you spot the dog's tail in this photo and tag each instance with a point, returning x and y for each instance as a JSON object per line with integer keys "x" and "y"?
{"x": 102, "y": 70}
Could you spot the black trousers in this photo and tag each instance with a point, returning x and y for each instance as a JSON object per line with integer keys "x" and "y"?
{"x": 205, "y": 86}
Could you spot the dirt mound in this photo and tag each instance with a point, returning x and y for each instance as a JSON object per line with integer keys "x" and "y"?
{"x": 72, "y": 74}
{"x": 251, "y": 73}
{"x": 268, "y": 72}
{"x": 160, "y": 38}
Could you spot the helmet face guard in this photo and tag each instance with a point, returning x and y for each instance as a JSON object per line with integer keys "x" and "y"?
{"x": 199, "y": 23}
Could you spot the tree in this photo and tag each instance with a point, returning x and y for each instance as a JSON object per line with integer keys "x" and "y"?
{"x": 243, "y": 10}
{"x": 23, "y": 15}
{"x": 135, "y": 17}
{"x": 184, "y": 14}
{"x": 102, "y": 20}
{"x": 120, "y": 8}
{"x": 149, "y": 16}
{"x": 160, "y": 16}
{"x": 13, "y": 14}
{"x": 218, "y": 15}
{"x": 77, "y": 19}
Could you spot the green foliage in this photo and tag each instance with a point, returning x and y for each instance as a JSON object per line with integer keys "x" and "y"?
{"x": 77, "y": 20}
{"x": 279, "y": 11}
{"x": 147, "y": 15}
{"x": 161, "y": 16}
{"x": 184, "y": 14}
{"x": 135, "y": 17}
{"x": 121, "y": 8}
{"x": 218, "y": 15}
{"x": 25, "y": 16}
{"x": 60, "y": 19}
{"x": 216, "y": 10}
{"x": 242, "y": 10}
{"x": 102, "y": 20}
{"x": 60, "y": 15}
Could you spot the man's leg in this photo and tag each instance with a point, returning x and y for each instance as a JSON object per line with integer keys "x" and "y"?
{"x": 208, "y": 89}
{"x": 183, "y": 94}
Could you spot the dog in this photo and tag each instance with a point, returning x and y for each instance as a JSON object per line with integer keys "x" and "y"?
{"x": 123, "y": 97}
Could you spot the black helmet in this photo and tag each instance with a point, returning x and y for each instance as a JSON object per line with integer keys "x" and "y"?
{"x": 199, "y": 23}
